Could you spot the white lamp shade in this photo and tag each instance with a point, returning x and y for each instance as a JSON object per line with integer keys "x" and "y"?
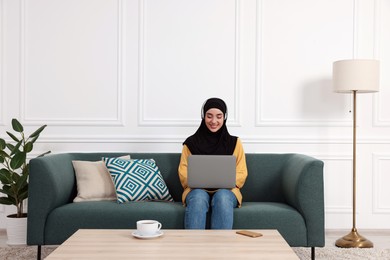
{"x": 359, "y": 75}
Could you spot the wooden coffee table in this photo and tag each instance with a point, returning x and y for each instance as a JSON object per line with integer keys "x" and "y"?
{"x": 173, "y": 244}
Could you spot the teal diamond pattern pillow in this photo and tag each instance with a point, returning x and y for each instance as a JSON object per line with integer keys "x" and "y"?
{"x": 137, "y": 180}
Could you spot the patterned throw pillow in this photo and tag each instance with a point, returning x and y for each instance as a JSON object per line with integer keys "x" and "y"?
{"x": 137, "y": 180}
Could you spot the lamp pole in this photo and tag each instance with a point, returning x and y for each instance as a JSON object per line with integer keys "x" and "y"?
{"x": 354, "y": 162}
{"x": 354, "y": 239}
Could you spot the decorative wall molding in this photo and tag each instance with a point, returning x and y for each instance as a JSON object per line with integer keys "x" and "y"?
{"x": 380, "y": 185}
{"x": 335, "y": 209}
{"x": 259, "y": 85}
{"x": 312, "y": 140}
{"x": 143, "y": 120}
{"x": 378, "y": 119}
{"x": 98, "y": 139}
{"x": 75, "y": 121}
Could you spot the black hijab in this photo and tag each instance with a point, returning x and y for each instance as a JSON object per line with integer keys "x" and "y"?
{"x": 206, "y": 142}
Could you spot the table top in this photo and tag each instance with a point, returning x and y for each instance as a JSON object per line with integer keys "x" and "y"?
{"x": 173, "y": 244}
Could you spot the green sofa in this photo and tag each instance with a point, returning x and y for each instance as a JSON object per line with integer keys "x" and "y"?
{"x": 282, "y": 191}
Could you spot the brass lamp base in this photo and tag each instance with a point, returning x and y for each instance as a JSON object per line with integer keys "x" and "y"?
{"x": 354, "y": 239}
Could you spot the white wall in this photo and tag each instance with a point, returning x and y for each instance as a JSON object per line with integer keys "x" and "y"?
{"x": 131, "y": 75}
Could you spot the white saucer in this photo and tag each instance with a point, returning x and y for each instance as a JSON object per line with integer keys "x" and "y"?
{"x": 137, "y": 235}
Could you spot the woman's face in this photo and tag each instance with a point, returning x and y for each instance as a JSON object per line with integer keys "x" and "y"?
{"x": 214, "y": 119}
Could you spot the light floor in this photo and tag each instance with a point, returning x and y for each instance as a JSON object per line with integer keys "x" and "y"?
{"x": 380, "y": 238}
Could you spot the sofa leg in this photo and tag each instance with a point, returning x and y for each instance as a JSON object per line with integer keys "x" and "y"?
{"x": 39, "y": 253}
{"x": 313, "y": 253}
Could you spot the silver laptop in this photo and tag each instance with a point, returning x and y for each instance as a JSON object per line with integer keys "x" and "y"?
{"x": 212, "y": 171}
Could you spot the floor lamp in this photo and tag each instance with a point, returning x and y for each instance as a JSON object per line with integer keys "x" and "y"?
{"x": 356, "y": 76}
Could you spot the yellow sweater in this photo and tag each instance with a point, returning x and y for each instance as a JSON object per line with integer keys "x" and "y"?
{"x": 241, "y": 171}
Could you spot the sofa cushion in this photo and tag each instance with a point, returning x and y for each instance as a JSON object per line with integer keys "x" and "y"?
{"x": 94, "y": 181}
{"x": 137, "y": 180}
{"x": 272, "y": 215}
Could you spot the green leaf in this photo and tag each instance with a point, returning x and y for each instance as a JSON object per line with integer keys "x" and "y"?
{"x": 10, "y": 146}
{"x": 5, "y": 176}
{"x": 2, "y": 144}
{"x": 24, "y": 187}
{"x": 23, "y": 192}
{"x": 4, "y": 180}
{"x": 18, "y": 160}
{"x": 17, "y": 126}
{"x": 43, "y": 154}
{"x": 5, "y": 172}
{"x": 7, "y": 191}
{"x": 7, "y": 201}
{"x": 12, "y": 136}
{"x": 22, "y": 182}
{"x": 28, "y": 147}
{"x": 4, "y": 155}
{"x": 16, "y": 148}
{"x": 37, "y": 132}
{"x": 15, "y": 177}
{"x": 34, "y": 139}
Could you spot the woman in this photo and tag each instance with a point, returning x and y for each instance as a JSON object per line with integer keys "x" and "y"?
{"x": 212, "y": 137}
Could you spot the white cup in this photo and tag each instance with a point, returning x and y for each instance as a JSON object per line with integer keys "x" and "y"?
{"x": 148, "y": 227}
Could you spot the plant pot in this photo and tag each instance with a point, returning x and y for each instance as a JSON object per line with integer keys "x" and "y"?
{"x": 16, "y": 230}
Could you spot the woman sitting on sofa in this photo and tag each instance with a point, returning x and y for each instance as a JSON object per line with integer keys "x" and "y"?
{"x": 212, "y": 138}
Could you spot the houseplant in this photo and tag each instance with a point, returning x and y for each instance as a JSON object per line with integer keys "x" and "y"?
{"x": 14, "y": 170}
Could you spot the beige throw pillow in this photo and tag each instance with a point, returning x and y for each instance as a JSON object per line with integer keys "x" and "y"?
{"x": 94, "y": 181}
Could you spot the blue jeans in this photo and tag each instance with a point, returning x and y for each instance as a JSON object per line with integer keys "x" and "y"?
{"x": 198, "y": 204}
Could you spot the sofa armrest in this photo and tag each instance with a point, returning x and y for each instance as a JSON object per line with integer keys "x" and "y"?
{"x": 302, "y": 184}
{"x": 51, "y": 184}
